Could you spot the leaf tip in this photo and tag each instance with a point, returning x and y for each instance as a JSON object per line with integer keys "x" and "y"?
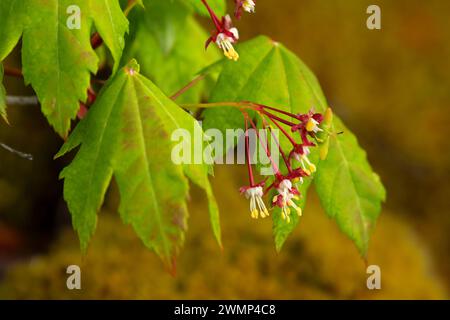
{"x": 83, "y": 247}
{"x": 366, "y": 261}
{"x": 278, "y": 246}
{"x": 132, "y": 68}
{"x": 5, "y": 118}
{"x": 172, "y": 266}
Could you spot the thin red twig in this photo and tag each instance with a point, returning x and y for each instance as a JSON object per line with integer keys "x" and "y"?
{"x": 13, "y": 72}
{"x": 188, "y": 86}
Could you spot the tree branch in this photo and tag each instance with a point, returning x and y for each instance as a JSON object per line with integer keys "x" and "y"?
{"x": 21, "y": 100}
{"x": 16, "y": 152}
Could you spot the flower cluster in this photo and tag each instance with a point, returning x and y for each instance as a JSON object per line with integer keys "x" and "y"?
{"x": 312, "y": 129}
{"x": 224, "y": 34}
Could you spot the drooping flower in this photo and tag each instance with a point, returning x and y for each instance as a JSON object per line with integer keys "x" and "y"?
{"x": 246, "y": 5}
{"x": 309, "y": 124}
{"x": 286, "y": 193}
{"x": 225, "y": 40}
{"x": 313, "y": 125}
{"x": 300, "y": 153}
{"x": 257, "y": 206}
{"x": 224, "y": 36}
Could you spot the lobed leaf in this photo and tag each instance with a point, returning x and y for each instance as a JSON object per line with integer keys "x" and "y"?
{"x": 87, "y": 177}
{"x": 57, "y": 61}
{"x": 127, "y": 134}
{"x": 198, "y": 173}
{"x": 349, "y": 190}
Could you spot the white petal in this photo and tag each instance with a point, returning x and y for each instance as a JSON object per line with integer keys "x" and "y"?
{"x": 235, "y": 32}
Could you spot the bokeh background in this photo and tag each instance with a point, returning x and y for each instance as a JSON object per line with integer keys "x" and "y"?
{"x": 391, "y": 87}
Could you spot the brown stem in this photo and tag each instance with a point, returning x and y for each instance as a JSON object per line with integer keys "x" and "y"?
{"x": 13, "y": 72}
{"x": 188, "y": 86}
{"x": 240, "y": 105}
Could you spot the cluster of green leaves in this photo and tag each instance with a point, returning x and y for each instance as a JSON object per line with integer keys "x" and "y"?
{"x": 58, "y": 61}
{"x": 126, "y": 133}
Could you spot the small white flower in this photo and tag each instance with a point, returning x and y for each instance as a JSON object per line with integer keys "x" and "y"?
{"x": 249, "y": 6}
{"x": 257, "y": 205}
{"x": 313, "y": 126}
{"x": 225, "y": 43}
{"x": 307, "y": 165}
{"x": 284, "y": 199}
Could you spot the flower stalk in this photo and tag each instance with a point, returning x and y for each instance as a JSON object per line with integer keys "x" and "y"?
{"x": 313, "y": 129}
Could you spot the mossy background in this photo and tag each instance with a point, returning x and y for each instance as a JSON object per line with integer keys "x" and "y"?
{"x": 392, "y": 89}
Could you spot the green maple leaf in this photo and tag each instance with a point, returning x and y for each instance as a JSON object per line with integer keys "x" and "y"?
{"x": 127, "y": 134}
{"x": 111, "y": 24}
{"x": 269, "y": 74}
{"x": 12, "y": 14}
{"x": 349, "y": 190}
{"x": 2, "y": 96}
{"x": 57, "y": 61}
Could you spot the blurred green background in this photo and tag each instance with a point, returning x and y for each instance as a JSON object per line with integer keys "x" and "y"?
{"x": 391, "y": 87}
